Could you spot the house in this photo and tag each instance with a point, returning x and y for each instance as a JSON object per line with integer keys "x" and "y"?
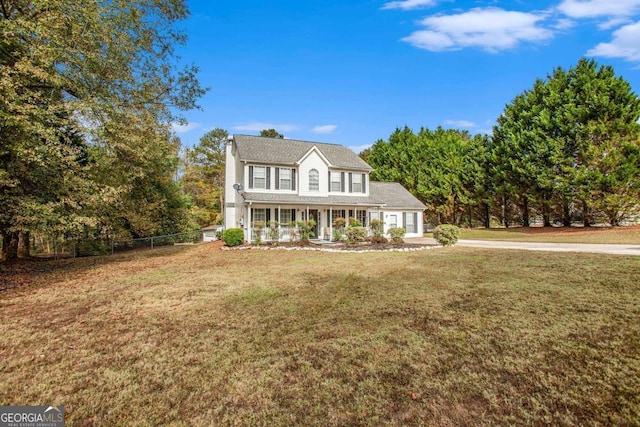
{"x": 269, "y": 180}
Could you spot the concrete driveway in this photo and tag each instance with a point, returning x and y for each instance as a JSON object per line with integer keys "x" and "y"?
{"x": 549, "y": 247}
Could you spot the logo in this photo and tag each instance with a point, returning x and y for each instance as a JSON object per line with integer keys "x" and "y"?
{"x": 31, "y": 416}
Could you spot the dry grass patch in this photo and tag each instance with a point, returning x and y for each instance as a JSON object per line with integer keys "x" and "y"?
{"x": 197, "y": 336}
{"x": 611, "y": 235}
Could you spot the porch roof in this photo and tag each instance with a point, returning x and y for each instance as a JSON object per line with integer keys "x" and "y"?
{"x": 381, "y": 194}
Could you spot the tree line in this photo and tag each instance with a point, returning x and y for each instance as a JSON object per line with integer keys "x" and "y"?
{"x": 566, "y": 150}
{"x": 88, "y": 92}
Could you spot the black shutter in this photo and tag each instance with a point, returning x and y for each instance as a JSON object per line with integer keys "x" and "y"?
{"x": 293, "y": 179}
{"x": 404, "y": 221}
{"x": 329, "y": 218}
{"x": 268, "y": 215}
{"x": 277, "y": 178}
{"x": 293, "y": 215}
{"x": 268, "y": 186}
{"x": 350, "y": 182}
{"x": 342, "y": 181}
{"x": 250, "y": 176}
{"x": 415, "y": 222}
{"x": 277, "y": 214}
{"x": 329, "y": 186}
{"x": 364, "y": 183}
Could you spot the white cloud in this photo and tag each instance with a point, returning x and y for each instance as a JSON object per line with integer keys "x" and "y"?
{"x": 599, "y": 8}
{"x": 324, "y": 129}
{"x": 492, "y": 29}
{"x": 408, "y": 4}
{"x": 460, "y": 123}
{"x": 564, "y": 24}
{"x": 183, "y": 128}
{"x": 625, "y": 44}
{"x": 258, "y": 126}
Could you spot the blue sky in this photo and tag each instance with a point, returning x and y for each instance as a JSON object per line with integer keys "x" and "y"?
{"x": 350, "y": 72}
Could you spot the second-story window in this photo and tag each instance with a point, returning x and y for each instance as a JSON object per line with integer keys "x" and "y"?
{"x": 336, "y": 181}
{"x": 284, "y": 179}
{"x": 314, "y": 180}
{"x": 356, "y": 183}
{"x": 259, "y": 177}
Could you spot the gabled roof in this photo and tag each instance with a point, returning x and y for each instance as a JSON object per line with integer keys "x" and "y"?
{"x": 258, "y": 149}
{"x": 394, "y": 195}
{"x": 383, "y": 194}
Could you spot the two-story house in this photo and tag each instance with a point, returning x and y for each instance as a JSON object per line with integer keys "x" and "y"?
{"x": 284, "y": 180}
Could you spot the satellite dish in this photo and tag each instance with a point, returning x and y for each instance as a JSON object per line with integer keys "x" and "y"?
{"x": 237, "y": 187}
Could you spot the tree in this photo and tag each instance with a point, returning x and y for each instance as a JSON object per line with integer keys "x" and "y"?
{"x": 103, "y": 72}
{"x": 555, "y": 146}
{"x": 203, "y": 178}
{"x": 271, "y": 133}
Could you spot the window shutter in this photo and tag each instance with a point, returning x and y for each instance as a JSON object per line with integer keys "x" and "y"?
{"x": 268, "y": 215}
{"x": 277, "y": 178}
{"x": 268, "y": 186}
{"x": 364, "y": 183}
{"x": 293, "y": 215}
{"x": 293, "y": 179}
{"x": 250, "y": 176}
{"x": 342, "y": 181}
{"x": 329, "y": 182}
{"x": 404, "y": 221}
{"x": 277, "y": 214}
{"x": 350, "y": 182}
{"x": 415, "y": 222}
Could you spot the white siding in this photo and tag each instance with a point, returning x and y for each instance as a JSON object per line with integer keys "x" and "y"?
{"x": 313, "y": 161}
{"x": 387, "y": 217}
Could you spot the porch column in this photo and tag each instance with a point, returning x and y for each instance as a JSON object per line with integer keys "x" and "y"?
{"x": 279, "y": 223}
{"x": 331, "y": 223}
{"x": 249, "y": 219}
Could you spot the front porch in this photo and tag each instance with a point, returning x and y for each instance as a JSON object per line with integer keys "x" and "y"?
{"x": 292, "y": 224}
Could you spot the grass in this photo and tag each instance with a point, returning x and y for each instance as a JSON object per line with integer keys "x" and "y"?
{"x": 198, "y": 336}
{"x": 612, "y": 235}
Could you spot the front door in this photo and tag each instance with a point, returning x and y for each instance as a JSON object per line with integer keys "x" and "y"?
{"x": 314, "y": 215}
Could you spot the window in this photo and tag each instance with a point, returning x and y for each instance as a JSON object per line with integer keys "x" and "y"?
{"x": 410, "y": 222}
{"x": 357, "y": 182}
{"x": 337, "y": 213}
{"x": 336, "y": 181}
{"x": 258, "y": 177}
{"x": 362, "y": 217}
{"x": 285, "y": 217}
{"x": 259, "y": 215}
{"x": 284, "y": 179}
{"x": 393, "y": 221}
{"x": 314, "y": 180}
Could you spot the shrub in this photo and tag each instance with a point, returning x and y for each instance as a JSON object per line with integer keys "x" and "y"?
{"x": 340, "y": 223}
{"x": 219, "y": 234}
{"x": 356, "y": 235}
{"x": 354, "y": 222}
{"x": 306, "y": 229}
{"x": 233, "y": 236}
{"x": 337, "y": 236}
{"x": 446, "y": 234}
{"x": 377, "y": 227}
{"x": 273, "y": 232}
{"x": 379, "y": 240}
{"x": 396, "y": 234}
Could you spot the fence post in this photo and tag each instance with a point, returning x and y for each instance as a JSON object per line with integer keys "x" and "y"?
{"x": 151, "y": 242}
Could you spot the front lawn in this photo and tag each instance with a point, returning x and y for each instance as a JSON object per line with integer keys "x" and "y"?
{"x": 198, "y": 336}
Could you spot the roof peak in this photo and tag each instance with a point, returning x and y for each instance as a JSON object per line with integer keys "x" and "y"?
{"x": 289, "y": 139}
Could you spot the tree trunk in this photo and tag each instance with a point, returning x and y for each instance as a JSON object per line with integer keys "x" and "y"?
{"x": 586, "y": 215}
{"x": 487, "y": 215}
{"x": 566, "y": 214}
{"x": 525, "y": 212}
{"x": 24, "y": 245}
{"x": 9, "y": 245}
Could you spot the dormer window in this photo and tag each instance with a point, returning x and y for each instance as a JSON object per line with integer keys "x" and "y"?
{"x": 314, "y": 180}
